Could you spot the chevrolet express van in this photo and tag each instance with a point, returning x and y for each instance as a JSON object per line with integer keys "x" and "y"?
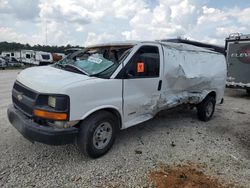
{"x": 89, "y": 96}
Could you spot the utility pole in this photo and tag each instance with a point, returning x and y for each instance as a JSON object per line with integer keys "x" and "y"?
{"x": 46, "y": 30}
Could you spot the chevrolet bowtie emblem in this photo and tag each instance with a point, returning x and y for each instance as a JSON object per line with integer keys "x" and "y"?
{"x": 19, "y": 97}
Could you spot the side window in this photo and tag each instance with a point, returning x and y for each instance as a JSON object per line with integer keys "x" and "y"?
{"x": 28, "y": 56}
{"x": 145, "y": 63}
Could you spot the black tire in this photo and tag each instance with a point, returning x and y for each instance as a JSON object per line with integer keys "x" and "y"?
{"x": 87, "y": 134}
{"x": 205, "y": 109}
{"x": 248, "y": 91}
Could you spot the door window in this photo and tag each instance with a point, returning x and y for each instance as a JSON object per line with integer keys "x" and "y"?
{"x": 145, "y": 63}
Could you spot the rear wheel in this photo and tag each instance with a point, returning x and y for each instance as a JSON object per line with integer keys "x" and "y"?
{"x": 97, "y": 134}
{"x": 205, "y": 109}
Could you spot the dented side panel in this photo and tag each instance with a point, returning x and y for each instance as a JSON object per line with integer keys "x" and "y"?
{"x": 141, "y": 95}
{"x": 140, "y": 100}
{"x": 190, "y": 75}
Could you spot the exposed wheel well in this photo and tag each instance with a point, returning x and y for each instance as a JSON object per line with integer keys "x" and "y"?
{"x": 114, "y": 112}
{"x": 212, "y": 94}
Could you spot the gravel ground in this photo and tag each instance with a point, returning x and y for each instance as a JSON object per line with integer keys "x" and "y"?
{"x": 172, "y": 137}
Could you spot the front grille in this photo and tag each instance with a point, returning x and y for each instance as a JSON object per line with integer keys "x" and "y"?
{"x": 23, "y": 98}
{"x": 26, "y": 91}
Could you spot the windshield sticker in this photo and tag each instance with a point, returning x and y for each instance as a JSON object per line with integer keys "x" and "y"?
{"x": 95, "y": 60}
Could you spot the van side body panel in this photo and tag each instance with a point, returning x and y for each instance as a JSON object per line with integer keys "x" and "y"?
{"x": 190, "y": 73}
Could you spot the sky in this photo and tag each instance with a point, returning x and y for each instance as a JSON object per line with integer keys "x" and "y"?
{"x": 88, "y": 22}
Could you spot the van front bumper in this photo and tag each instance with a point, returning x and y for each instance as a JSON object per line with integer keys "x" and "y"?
{"x": 44, "y": 134}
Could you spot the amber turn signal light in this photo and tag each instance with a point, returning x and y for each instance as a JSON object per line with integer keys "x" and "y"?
{"x": 50, "y": 115}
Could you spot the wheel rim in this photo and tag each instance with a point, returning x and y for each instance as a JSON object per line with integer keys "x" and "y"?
{"x": 209, "y": 109}
{"x": 102, "y": 135}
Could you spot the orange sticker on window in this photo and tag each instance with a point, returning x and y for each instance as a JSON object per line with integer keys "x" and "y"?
{"x": 140, "y": 67}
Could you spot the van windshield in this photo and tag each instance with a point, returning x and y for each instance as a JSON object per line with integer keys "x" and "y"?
{"x": 96, "y": 61}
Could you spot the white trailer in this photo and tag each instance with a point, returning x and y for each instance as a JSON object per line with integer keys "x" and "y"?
{"x": 10, "y": 54}
{"x": 30, "y": 56}
{"x": 238, "y": 60}
{"x": 36, "y": 57}
{"x": 88, "y": 96}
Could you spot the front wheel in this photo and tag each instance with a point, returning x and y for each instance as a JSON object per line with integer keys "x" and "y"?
{"x": 205, "y": 109}
{"x": 97, "y": 134}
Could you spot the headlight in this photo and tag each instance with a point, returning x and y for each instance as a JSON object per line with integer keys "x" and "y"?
{"x": 53, "y": 107}
{"x": 52, "y": 101}
{"x": 56, "y": 102}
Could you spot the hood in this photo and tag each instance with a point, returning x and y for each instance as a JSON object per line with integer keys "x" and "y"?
{"x": 48, "y": 79}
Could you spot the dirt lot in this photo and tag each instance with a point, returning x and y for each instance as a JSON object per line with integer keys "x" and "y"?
{"x": 219, "y": 150}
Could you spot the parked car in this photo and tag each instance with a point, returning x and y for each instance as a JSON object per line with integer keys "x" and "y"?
{"x": 93, "y": 93}
{"x": 3, "y": 64}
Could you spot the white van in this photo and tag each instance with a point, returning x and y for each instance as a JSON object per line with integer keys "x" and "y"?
{"x": 90, "y": 95}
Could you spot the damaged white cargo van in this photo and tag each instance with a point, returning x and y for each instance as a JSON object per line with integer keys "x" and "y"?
{"x": 90, "y": 95}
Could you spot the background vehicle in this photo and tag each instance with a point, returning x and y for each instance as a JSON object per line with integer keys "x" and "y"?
{"x": 9, "y": 54}
{"x": 30, "y": 57}
{"x": 13, "y": 62}
{"x": 238, "y": 60}
{"x": 3, "y": 63}
{"x": 36, "y": 57}
{"x": 58, "y": 56}
{"x": 91, "y": 94}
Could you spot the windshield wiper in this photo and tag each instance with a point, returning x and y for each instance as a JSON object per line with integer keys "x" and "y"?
{"x": 77, "y": 68}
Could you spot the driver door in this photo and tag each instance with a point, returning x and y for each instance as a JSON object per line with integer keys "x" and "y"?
{"x": 142, "y": 84}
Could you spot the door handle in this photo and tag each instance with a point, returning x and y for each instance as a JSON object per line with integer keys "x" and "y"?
{"x": 159, "y": 85}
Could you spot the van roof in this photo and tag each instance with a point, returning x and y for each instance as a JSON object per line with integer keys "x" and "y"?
{"x": 208, "y": 46}
{"x": 178, "y": 44}
{"x": 121, "y": 43}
